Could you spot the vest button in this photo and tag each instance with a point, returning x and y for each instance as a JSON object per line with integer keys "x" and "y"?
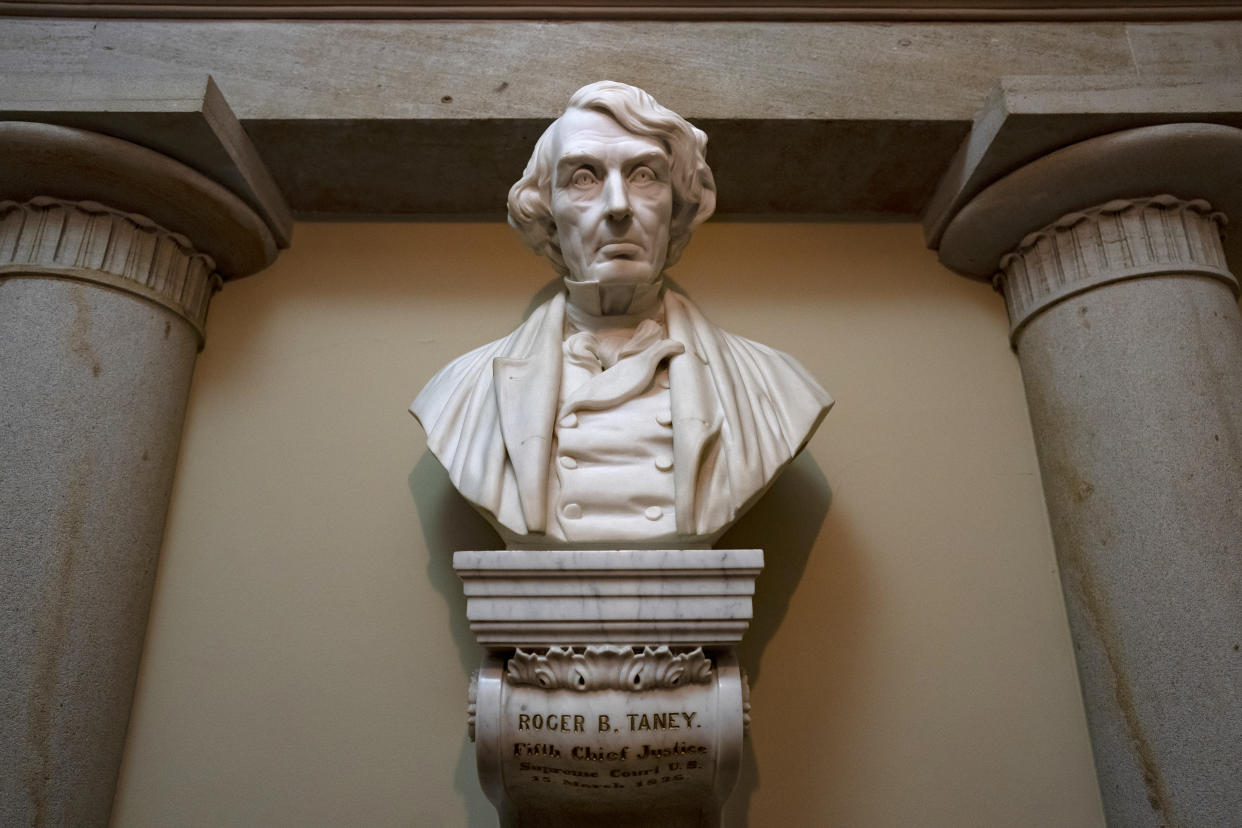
{"x": 664, "y": 462}
{"x": 568, "y": 462}
{"x": 572, "y": 511}
{"x": 569, "y": 420}
{"x": 664, "y": 417}
{"x": 654, "y": 513}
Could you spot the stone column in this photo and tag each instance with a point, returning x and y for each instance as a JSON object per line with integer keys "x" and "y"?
{"x": 109, "y": 254}
{"x": 1125, "y": 320}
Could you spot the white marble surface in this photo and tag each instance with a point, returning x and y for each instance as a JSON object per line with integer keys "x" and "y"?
{"x": 617, "y": 414}
{"x": 560, "y": 757}
{"x": 583, "y": 712}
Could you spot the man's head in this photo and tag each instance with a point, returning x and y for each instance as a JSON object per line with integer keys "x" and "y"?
{"x": 615, "y": 187}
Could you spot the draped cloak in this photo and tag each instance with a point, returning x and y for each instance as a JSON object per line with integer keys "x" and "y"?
{"x": 741, "y": 412}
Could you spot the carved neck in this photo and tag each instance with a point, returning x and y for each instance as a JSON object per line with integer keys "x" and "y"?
{"x": 595, "y": 299}
{"x": 615, "y": 325}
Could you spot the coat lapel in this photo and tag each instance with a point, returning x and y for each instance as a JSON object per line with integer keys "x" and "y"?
{"x": 696, "y": 413}
{"x": 527, "y": 385}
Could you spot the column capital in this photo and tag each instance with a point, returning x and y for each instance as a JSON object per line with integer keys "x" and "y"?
{"x": 39, "y": 160}
{"x": 1111, "y": 242}
{"x": 1191, "y": 162}
{"x": 182, "y": 117}
{"x": 89, "y": 242}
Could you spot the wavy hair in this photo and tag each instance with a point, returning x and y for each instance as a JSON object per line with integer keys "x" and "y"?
{"x": 694, "y": 188}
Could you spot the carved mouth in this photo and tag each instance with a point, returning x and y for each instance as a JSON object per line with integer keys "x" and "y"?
{"x": 620, "y": 250}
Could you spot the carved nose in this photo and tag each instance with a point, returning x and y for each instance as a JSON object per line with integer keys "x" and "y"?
{"x": 617, "y": 198}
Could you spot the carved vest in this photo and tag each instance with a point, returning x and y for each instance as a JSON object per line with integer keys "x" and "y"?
{"x": 613, "y": 469}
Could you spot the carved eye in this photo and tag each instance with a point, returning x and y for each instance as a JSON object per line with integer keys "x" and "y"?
{"x": 642, "y": 175}
{"x": 582, "y": 178}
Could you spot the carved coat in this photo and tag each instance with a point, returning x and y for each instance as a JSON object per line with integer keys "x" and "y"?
{"x": 741, "y": 412}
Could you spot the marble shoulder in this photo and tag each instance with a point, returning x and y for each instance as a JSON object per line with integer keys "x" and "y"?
{"x": 761, "y": 374}
{"x": 458, "y": 377}
{"x": 469, "y": 377}
{"x": 786, "y": 362}
{"x": 798, "y": 402}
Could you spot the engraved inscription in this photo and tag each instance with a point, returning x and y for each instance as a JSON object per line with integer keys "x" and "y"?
{"x": 660, "y": 721}
{"x": 595, "y": 746}
{"x": 601, "y": 765}
{"x": 563, "y": 721}
{"x": 576, "y": 722}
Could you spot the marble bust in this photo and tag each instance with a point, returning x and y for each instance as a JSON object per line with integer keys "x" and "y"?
{"x": 616, "y": 415}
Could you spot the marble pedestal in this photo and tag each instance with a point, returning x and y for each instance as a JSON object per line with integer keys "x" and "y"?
{"x": 610, "y": 694}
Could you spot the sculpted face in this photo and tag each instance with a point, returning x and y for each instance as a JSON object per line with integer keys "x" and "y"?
{"x": 612, "y": 200}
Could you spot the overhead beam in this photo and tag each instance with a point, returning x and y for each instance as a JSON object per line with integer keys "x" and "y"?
{"x": 436, "y": 119}
{"x": 790, "y": 10}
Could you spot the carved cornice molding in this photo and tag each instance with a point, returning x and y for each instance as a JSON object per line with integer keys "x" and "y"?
{"x": 535, "y": 598}
{"x": 90, "y": 242}
{"x": 1112, "y": 242}
{"x": 609, "y": 667}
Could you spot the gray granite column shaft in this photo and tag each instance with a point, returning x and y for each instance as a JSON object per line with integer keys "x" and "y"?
{"x": 1126, "y": 324}
{"x": 101, "y": 315}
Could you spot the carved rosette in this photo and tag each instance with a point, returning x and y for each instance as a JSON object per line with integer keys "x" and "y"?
{"x": 1112, "y": 242}
{"x": 609, "y": 668}
{"x": 90, "y": 242}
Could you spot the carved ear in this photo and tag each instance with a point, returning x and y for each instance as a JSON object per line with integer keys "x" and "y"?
{"x": 707, "y": 206}
{"x": 685, "y": 222}
{"x": 551, "y": 249}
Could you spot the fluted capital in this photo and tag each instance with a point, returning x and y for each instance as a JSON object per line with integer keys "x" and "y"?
{"x": 87, "y": 241}
{"x": 1111, "y": 242}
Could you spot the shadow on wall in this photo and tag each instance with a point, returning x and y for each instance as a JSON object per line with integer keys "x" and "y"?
{"x": 784, "y": 524}
{"x": 449, "y": 524}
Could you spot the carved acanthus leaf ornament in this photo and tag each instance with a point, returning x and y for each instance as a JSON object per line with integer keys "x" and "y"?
{"x": 609, "y": 668}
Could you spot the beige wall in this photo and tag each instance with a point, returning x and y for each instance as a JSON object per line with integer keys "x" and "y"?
{"x": 308, "y": 656}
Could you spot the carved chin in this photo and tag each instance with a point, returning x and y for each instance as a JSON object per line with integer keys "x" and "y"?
{"x": 622, "y": 272}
